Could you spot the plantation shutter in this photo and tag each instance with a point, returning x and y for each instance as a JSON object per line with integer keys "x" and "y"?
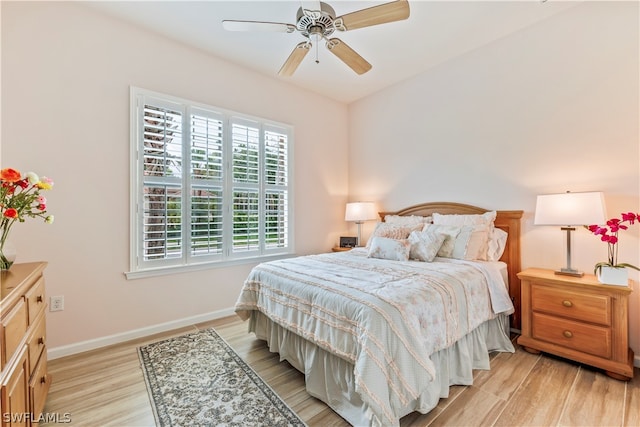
{"x": 162, "y": 177}
{"x": 245, "y": 142}
{"x": 207, "y": 174}
{"x": 276, "y": 189}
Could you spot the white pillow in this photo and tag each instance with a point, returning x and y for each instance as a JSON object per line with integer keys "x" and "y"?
{"x": 393, "y": 231}
{"x": 486, "y": 218}
{"x": 407, "y": 220}
{"x": 497, "y": 243}
{"x": 478, "y": 247}
{"x": 425, "y": 245}
{"x": 392, "y": 249}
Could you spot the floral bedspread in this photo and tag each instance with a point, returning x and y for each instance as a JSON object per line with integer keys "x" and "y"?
{"x": 385, "y": 317}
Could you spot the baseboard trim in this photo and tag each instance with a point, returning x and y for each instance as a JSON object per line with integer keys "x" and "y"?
{"x": 70, "y": 349}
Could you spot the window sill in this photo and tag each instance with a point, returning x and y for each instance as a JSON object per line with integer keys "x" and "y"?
{"x": 165, "y": 271}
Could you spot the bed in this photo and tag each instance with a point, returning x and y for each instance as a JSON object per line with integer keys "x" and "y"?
{"x": 378, "y": 338}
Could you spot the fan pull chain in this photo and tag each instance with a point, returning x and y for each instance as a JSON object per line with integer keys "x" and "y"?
{"x": 317, "y": 60}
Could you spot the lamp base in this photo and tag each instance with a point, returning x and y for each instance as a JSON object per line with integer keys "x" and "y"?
{"x": 569, "y": 272}
{"x": 358, "y": 244}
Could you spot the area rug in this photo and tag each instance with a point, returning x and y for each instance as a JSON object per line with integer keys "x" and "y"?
{"x": 199, "y": 380}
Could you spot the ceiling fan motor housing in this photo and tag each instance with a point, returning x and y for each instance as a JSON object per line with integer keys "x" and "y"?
{"x": 316, "y": 24}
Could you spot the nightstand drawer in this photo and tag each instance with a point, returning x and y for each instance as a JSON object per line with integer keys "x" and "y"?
{"x": 579, "y": 336}
{"x": 591, "y": 308}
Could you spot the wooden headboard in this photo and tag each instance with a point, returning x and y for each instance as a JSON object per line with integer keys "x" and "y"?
{"x": 508, "y": 221}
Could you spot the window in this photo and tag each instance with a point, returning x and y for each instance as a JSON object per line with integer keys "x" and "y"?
{"x": 208, "y": 185}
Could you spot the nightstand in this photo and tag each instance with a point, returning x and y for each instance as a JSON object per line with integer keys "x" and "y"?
{"x": 577, "y": 318}
{"x": 339, "y": 249}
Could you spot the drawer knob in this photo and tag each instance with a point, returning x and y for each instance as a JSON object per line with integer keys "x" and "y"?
{"x": 567, "y": 303}
{"x": 41, "y": 340}
{"x": 39, "y": 298}
{"x": 43, "y": 379}
{"x": 567, "y": 334}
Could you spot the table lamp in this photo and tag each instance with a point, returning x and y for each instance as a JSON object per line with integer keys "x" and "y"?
{"x": 359, "y": 212}
{"x": 569, "y": 209}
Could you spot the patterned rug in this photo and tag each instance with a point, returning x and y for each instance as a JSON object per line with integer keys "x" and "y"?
{"x": 199, "y": 380}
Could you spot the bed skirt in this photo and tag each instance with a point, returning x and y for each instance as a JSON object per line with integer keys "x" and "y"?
{"x": 331, "y": 379}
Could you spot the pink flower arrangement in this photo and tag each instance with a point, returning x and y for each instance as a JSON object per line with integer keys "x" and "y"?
{"x": 609, "y": 233}
{"x": 20, "y": 198}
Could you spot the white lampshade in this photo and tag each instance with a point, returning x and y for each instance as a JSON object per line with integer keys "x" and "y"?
{"x": 360, "y": 211}
{"x": 570, "y": 209}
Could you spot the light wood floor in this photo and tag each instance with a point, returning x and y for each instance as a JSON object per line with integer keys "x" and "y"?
{"x": 105, "y": 387}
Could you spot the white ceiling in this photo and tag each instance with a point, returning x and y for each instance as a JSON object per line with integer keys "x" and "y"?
{"x": 435, "y": 32}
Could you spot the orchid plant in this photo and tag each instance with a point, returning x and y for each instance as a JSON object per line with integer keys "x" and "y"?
{"x": 20, "y": 198}
{"x": 609, "y": 233}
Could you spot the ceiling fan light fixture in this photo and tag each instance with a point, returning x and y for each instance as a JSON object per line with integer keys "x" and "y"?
{"x": 317, "y": 33}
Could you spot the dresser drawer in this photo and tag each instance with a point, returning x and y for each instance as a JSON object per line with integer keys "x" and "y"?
{"x": 39, "y": 386}
{"x": 36, "y": 341}
{"x": 35, "y": 300}
{"x": 15, "y": 393}
{"x": 578, "y": 336}
{"x": 14, "y": 326}
{"x": 591, "y": 308}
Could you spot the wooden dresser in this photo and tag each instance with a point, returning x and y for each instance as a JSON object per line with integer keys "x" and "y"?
{"x": 577, "y": 318}
{"x": 24, "y": 380}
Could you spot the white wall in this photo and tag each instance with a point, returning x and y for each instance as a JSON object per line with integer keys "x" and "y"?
{"x": 551, "y": 108}
{"x": 66, "y": 72}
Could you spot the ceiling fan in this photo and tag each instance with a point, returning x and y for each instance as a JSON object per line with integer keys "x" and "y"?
{"x": 320, "y": 23}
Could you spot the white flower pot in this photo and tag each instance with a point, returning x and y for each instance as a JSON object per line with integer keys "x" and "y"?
{"x": 613, "y": 276}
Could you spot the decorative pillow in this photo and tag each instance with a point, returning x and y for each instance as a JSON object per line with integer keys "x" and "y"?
{"x": 425, "y": 245}
{"x": 478, "y": 244}
{"x": 483, "y": 228}
{"x": 393, "y": 231}
{"x": 392, "y": 249}
{"x": 450, "y": 233}
{"x": 409, "y": 220}
{"x": 461, "y": 242}
{"x": 497, "y": 243}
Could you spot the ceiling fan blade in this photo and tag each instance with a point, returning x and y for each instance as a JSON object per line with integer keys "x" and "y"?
{"x": 231, "y": 25}
{"x": 381, "y": 14}
{"x": 291, "y": 64}
{"x": 349, "y": 56}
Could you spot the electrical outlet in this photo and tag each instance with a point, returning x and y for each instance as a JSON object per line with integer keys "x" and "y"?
{"x": 56, "y": 303}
